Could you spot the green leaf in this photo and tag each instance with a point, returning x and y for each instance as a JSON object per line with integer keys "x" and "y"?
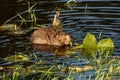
{"x": 106, "y": 45}
{"x": 89, "y": 43}
{"x": 17, "y": 58}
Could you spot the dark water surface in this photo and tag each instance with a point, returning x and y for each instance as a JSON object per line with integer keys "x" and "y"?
{"x": 94, "y": 16}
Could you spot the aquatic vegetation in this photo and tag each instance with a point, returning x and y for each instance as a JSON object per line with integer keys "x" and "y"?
{"x": 70, "y": 4}
{"x": 89, "y": 44}
{"x": 18, "y": 30}
{"x": 27, "y": 16}
{"x": 13, "y": 29}
{"x": 99, "y": 67}
{"x": 9, "y": 27}
{"x": 17, "y": 58}
{"x": 31, "y": 17}
{"x": 106, "y": 46}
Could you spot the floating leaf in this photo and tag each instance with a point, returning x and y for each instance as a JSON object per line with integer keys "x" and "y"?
{"x": 89, "y": 43}
{"x": 17, "y": 58}
{"x": 106, "y": 45}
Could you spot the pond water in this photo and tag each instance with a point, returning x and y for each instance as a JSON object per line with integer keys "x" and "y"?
{"x": 77, "y": 20}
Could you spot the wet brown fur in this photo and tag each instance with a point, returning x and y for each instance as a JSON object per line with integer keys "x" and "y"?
{"x": 50, "y": 35}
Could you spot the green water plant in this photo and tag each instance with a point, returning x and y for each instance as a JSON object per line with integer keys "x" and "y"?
{"x": 12, "y": 29}
{"x": 105, "y": 46}
{"x": 71, "y": 3}
{"x": 17, "y": 30}
{"x": 91, "y": 46}
{"x": 31, "y": 17}
{"x": 9, "y": 27}
{"x": 17, "y": 58}
{"x": 31, "y": 13}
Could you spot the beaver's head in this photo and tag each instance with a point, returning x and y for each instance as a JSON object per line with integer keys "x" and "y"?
{"x": 63, "y": 38}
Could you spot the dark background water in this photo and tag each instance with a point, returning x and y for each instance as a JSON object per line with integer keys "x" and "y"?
{"x": 100, "y": 16}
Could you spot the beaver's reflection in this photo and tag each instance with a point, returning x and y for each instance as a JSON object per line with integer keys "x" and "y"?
{"x": 49, "y": 48}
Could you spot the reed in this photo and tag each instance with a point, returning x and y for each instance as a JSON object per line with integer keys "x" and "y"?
{"x": 31, "y": 15}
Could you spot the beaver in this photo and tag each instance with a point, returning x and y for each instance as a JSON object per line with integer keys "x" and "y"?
{"x": 51, "y": 35}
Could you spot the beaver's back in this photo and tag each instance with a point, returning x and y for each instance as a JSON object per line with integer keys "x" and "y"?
{"x": 49, "y": 36}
